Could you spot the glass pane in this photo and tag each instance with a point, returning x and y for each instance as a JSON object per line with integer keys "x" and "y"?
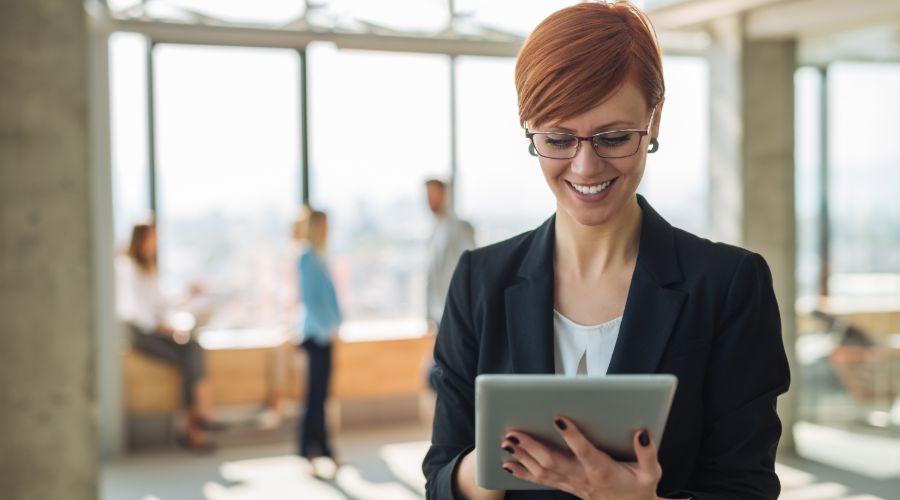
{"x": 417, "y": 15}
{"x": 864, "y": 177}
{"x": 122, "y": 4}
{"x": 500, "y": 188}
{"x": 379, "y": 128}
{"x": 676, "y": 179}
{"x": 847, "y": 362}
{"x": 807, "y": 105}
{"x": 258, "y": 11}
{"x": 128, "y": 125}
{"x": 227, "y": 131}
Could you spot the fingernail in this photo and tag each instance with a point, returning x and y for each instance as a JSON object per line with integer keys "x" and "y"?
{"x": 512, "y": 439}
{"x": 560, "y": 424}
{"x": 644, "y": 438}
{"x": 509, "y": 449}
{"x": 508, "y": 470}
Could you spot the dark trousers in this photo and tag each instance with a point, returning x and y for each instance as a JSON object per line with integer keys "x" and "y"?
{"x": 186, "y": 357}
{"x": 313, "y": 434}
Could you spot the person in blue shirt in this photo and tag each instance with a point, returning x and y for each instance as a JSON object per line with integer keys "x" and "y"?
{"x": 318, "y": 326}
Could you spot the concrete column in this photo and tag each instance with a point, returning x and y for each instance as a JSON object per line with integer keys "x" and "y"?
{"x": 48, "y": 437}
{"x": 752, "y": 164}
{"x": 767, "y": 158}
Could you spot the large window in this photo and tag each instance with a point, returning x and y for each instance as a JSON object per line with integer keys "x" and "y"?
{"x": 380, "y": 126}
{"x": 228, "y": 173}
{"x": 864, "y": 173}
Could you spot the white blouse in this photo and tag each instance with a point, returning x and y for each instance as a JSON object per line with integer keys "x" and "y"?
{"x": 138, "y": 300}
{"x": 583, "y": 350}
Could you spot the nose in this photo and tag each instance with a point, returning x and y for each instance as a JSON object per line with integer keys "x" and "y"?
{"x": 586, "y": 162}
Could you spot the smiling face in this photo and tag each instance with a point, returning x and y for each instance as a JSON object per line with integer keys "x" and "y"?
{"x": 592, "y": 190}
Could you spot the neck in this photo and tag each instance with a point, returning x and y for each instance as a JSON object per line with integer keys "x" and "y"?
{"x": 590, "y": 251}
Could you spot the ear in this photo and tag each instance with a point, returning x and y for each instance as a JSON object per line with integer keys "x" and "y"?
{"x": 657, "y": 118}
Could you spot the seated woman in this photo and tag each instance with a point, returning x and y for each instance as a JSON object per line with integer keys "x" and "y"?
{"x": 606, "y": 269}
{"x": 140, "y": 306}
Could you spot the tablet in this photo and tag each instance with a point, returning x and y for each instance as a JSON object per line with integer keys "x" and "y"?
{"x": 608, "y": 409}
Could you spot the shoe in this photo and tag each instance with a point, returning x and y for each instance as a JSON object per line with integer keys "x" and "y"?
{"x": 202, "y": 447}
{"x": 268, "y": 420}
{"x": 323, "y": 468}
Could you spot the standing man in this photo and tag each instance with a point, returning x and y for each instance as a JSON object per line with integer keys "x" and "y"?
{"x": 450, "y": 238}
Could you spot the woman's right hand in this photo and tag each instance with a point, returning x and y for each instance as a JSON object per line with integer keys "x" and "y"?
{"x": 465, "y": 480}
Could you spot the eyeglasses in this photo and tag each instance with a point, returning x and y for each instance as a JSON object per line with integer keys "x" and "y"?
{"x": 565, "y": 146}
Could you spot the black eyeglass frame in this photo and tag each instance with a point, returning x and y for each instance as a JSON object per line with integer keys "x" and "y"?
{"x": 593, "y": 140}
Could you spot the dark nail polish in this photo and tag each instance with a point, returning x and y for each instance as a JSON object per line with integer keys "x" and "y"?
{"x": 509, "y": 450}
{"x": 508, "y": 470}
{"x": 512, "y": 439}
{"x": 560, "y": 424}
{"x": 644, "y": 438}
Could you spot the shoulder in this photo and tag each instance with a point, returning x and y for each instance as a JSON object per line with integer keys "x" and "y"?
{"x": 124, "y": 265}
{"x": 308, "y": 258}
{"x": 704, "y": 259}
{"x": 499, "y": 263}
{"x": 454, "y": 223}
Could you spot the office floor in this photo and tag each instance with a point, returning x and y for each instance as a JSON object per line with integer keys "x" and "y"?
{"x": 385, "y": 464}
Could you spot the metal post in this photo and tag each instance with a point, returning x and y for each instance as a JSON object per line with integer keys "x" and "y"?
{"x": 304, "y": 128}
{"x": 824, "y": 222}
{"x": 453, "y": 159}
{"x": 151, "y": 130}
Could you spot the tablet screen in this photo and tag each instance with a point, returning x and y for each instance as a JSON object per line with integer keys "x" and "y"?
{"x": 608, "y": 409}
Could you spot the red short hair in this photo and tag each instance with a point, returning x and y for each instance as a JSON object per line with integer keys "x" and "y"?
{"x": 580, "y": 55}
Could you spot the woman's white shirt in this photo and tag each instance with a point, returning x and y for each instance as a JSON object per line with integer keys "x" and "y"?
{"x": 138, "y": 300}
{"x": 581, "y": 349}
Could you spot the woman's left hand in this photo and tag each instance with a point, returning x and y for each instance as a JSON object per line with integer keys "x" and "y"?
{"x": 583, "y": 470}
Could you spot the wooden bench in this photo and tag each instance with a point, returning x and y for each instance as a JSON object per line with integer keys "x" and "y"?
{"x": 253, "y": 368}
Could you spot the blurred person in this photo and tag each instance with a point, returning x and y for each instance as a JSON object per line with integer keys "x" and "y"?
{"x": 141, "y": 307}
{"x": 318, "y": 329}
{"x": 449, "y": 238}
{"x": 607, "y": 286}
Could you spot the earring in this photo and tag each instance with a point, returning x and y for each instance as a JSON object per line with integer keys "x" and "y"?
{"x": 654, "y": 145}
{"x": 531, "y": 150}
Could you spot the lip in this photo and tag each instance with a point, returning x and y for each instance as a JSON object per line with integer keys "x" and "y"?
{"x": 596, "y": 197}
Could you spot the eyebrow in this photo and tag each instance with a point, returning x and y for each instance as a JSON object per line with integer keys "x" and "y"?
{"x": 608, "y": 127}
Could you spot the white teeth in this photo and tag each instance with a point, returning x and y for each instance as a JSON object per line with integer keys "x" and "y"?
{"x": 592, "y": 189}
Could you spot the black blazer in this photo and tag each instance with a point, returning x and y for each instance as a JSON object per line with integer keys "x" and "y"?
{"x": 703, "y": 311}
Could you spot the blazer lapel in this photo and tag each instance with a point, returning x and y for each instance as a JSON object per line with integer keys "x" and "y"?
{"x": 650, "y": 315}
{"x": 651, "y": 309}
{"x": 529, "y": 307}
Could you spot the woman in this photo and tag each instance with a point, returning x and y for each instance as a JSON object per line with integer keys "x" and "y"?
{"x": 319, "y": 326}
{"x": 140, "y": 305}
{"x": 655, "y": 299}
